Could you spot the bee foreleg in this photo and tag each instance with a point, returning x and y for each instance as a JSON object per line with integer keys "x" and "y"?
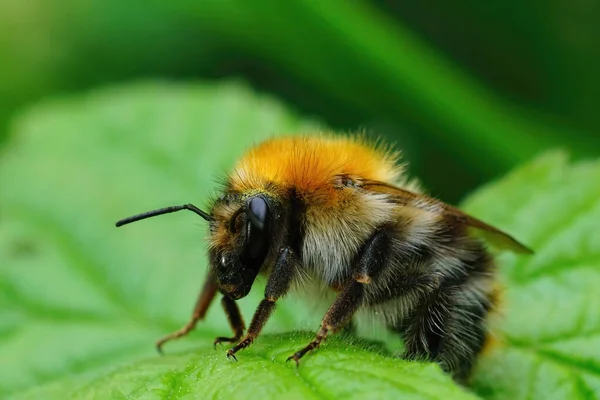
{"x": 235, "y": 321}
{"x": 204, "y": 300}
{"x": 277, "y": 286}
{"x": 340, "y": 312}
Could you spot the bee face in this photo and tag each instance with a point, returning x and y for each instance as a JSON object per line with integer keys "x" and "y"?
{"x": 241, "y": 243}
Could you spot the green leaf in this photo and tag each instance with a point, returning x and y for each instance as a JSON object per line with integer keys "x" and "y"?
{"x": 81, "y": 302}
{"x": 347, "y": 369}
{"x": 549, "y": 334}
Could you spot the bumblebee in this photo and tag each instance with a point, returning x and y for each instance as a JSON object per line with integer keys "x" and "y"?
{"x": 338, "y": 211}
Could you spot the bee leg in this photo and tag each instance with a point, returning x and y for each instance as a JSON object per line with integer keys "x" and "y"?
{"x": 235, "y": 321}
{"x": 205, "y": 298}
{"x": 372, "y": 256}
{"x": 342, "y": 309}
{"x": 277, "y": 286}
{"x": 262, "y": 314}
{"x": 367, "y": 265}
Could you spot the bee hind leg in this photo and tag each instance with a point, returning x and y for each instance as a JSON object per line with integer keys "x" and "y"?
{"x": 369, "y": 262}
{"x": 342, "y": 309}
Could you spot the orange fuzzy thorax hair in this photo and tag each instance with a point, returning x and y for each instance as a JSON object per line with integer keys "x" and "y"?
{"x": 308, "y": 163}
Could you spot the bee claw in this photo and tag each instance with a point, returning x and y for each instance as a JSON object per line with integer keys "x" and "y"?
{"x": 295, "y": 358}
{"x": 231, "y": 354}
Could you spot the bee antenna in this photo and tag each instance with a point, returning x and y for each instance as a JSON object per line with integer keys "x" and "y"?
{"x": 161, "y": 211}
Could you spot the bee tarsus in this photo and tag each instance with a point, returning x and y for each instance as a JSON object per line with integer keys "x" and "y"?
{"x": 314, "y": 344}
{"x": 247, "y": 341}
{"x": 231, "y": 354}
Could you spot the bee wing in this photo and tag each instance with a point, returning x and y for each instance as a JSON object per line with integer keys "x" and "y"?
{"x": 411, "y": 199}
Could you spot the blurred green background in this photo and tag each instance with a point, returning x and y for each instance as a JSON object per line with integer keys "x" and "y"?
{"x": 467, "y": 89}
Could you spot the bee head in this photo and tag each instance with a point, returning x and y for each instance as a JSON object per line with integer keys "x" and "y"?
{"x": 241, "y": 239}
{"x": 249, "y": 235}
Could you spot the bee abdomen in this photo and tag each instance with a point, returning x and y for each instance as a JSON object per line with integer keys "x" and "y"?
{"x": 436, "y": 292}
{"x": 448, "y": 323}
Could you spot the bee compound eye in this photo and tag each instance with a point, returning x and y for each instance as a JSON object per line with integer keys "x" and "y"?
{"x": 234, "y": 221}
{"x": 257, "y": 230}
{"x": 258, "y": 212}
{"x": 256, "y": 241}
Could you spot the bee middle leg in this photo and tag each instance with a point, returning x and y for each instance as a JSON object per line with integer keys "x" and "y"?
{"x": 366, "y": 266}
